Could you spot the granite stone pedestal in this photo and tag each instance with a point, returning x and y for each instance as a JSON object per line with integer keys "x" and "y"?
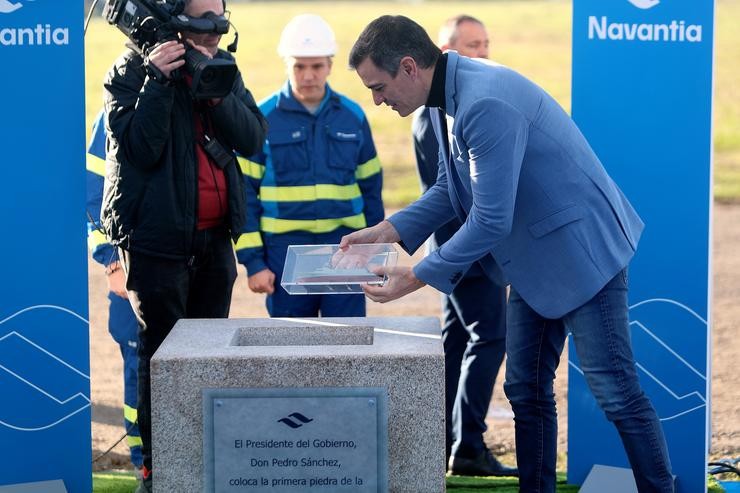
{"x": 215, "y": 375}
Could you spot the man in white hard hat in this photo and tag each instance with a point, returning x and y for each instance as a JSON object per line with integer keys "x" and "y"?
{"x": 474, "y": 325}
{"x": 317, "y": 178}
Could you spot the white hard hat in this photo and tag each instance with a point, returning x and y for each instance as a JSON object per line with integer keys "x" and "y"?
{"x": 307, "y": 35}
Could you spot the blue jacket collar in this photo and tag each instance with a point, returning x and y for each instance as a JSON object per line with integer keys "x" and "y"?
{"x": 286, "y": 100}
{"x": 452, "y": 59}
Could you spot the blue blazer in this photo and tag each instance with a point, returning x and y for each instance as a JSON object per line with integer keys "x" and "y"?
{"x": 539, "y": 210}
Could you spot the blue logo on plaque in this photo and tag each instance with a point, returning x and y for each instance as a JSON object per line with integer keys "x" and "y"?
{"x": 298, "y": 416}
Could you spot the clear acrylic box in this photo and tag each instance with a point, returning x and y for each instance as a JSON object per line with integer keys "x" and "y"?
{"x": 325, "y": 269}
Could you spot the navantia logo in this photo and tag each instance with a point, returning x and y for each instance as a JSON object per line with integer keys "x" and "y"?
{"x": 297, "y": 421}
{"x": 7, "y": 7}
{"x": 38, "y": 35}
{"x": 603, "y": 28}
{"x": 644, "y": 4}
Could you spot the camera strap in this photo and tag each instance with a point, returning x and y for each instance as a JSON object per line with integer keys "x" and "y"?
{"x": 205, "y": 121}
{"x": 218, "y": 154}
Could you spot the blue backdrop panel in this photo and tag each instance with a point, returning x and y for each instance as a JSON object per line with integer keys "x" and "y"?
{"x": 44, "y": 357}
{"x": 642, "y": 94}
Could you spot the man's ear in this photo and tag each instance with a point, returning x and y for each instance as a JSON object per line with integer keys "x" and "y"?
{"x": 408, "y": 66}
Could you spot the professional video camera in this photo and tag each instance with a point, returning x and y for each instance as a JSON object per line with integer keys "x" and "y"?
{"x": 148, "y": 22}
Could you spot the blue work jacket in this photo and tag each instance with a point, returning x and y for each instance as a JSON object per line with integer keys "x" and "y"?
{"x": 102, "y": 252}
{"x": 316, "y": 173}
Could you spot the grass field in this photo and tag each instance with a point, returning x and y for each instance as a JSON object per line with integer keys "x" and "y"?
{"x": 116, "y": 482}
{"x": 533, "y": 37}
{"x": 124, "y": 483}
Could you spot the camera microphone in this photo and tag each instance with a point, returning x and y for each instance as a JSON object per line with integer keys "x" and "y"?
{"x": 232, "y": 47}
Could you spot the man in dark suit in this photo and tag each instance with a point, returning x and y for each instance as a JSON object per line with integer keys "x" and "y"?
{"x": 474, "y": 326}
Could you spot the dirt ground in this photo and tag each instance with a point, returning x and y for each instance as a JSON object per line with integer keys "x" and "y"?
{"x": 107, "y": 381}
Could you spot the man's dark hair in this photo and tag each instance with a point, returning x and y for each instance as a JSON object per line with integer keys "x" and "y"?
{"x": 388, "y": 39}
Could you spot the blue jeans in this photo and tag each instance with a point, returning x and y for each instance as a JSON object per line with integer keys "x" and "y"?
{"x": 600, "y": 331}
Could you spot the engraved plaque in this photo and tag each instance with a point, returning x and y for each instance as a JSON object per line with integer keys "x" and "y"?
{"x": 295, "y": 439}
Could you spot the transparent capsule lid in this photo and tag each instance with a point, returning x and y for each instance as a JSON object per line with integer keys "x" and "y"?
{"x": 325, "y": 269}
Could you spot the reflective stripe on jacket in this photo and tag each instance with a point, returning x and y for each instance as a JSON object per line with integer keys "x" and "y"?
{"x": 317, "y": 172}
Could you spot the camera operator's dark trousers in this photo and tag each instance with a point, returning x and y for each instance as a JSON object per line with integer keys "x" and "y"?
{"x": 162, "y": 291}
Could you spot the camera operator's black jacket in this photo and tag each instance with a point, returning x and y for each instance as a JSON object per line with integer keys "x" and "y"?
{"x": 150, "y": 201}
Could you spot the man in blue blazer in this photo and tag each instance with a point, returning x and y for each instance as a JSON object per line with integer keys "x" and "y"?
{"x": 539, "y": 212}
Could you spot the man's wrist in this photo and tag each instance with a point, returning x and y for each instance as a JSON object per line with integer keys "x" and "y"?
{"x": 389, "y": 234}
{"x": 153, "y": 72}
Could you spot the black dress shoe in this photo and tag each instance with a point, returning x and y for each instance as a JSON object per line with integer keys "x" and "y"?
{"x": 483, "y": 465}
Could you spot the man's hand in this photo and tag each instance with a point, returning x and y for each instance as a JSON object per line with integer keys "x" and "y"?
{"x": 383, "y": 232}
{"x": 117, "y": 281}
{"x": 262, "y": 282}
{"x": 167, "y": 57}
{"x": 401, "y": 281}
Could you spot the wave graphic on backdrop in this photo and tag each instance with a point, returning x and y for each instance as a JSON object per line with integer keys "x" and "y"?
{"x": 46, "y": 388}
{"x": 675, "y": 384}
{"x": 7, "y": 7}
{"x": 644, "y": 4}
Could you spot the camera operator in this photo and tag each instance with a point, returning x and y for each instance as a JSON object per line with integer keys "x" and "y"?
{"x": 174, "y": 197}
